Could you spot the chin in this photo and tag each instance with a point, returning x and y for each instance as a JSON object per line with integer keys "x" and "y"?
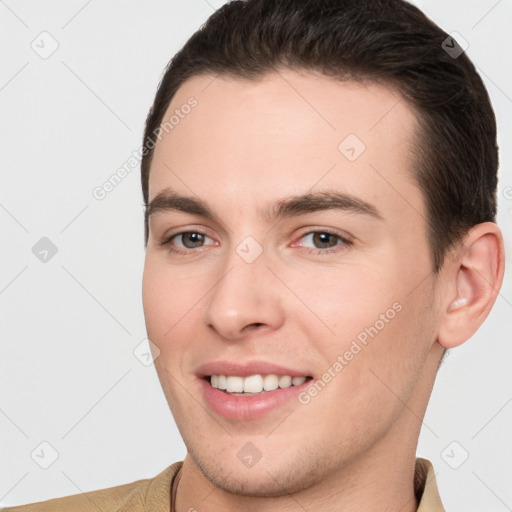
{"x": 261, "y": 480}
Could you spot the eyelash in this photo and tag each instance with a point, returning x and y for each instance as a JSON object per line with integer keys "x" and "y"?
{"x": 322, "y": 252}
{"x": 317, "y": 252}
{"x": 181, "y": 251}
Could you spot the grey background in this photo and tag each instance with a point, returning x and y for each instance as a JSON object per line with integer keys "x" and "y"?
{"x": 69, "y": 325}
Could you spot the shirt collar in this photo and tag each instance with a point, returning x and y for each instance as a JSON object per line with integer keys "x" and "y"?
{"x": 425, "y": 487}
{"x": 156, "y": 497}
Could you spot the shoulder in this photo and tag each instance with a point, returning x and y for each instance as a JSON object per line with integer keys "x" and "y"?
{"x": 133, "y": 496}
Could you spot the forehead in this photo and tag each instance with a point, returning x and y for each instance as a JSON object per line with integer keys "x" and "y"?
{"x": 287, "y": 129}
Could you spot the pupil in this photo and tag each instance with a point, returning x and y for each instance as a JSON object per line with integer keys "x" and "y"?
{"x": 323, "y": 238}
{"x": 194, "y": 238}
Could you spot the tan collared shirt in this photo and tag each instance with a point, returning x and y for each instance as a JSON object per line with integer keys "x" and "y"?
{"x": 154, "y": 495}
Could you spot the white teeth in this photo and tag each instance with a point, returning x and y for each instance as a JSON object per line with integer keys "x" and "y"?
{"x": 234, "y": 384}
{"x": 254, "y": 383}
{"x": 270, "y": 382}
{"x": 221, "y": 381}
{"x": 285, "y": 381}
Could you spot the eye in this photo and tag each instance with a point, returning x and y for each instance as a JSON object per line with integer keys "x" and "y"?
{"x": 324, "y": 241}
{"x": 186, "y": 241}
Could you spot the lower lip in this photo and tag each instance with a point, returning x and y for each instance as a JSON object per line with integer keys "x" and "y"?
{"x": 248, "y": 407}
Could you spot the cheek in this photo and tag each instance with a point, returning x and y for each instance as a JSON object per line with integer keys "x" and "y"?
{"x": 173, "y": 304}
{"x": 346, "y": 300}
{"x": 153, "y": 297}
{"x": 166, "y": 298}
{"x": 370, "y": 319}
{"x": 168, "y": 303}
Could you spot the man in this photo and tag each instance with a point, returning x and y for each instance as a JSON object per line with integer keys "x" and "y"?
{"x": 320, "y": 182}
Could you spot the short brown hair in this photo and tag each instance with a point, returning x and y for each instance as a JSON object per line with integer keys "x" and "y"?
{"x": 387, "y": 41}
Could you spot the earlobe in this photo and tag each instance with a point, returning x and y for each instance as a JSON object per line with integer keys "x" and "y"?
{"x": 477, "y": 276}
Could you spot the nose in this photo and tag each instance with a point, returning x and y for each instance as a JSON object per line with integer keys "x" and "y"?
{"x": 247, "y": 296}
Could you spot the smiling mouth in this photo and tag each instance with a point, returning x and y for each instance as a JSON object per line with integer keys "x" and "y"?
{"x": 254, "y": 384}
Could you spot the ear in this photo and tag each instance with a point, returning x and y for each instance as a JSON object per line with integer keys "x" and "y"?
{"x": 475, "y": 275}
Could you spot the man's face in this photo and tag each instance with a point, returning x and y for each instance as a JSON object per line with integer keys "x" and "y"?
{"x": 305, "y": 290}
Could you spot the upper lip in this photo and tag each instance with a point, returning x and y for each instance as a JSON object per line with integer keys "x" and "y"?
{"x": 246, "y": 369}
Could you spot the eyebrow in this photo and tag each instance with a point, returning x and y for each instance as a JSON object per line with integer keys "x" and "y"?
{"x": 292, "y": 206}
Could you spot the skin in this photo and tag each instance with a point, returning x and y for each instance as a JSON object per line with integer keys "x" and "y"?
{"x": 248, "y": 143}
